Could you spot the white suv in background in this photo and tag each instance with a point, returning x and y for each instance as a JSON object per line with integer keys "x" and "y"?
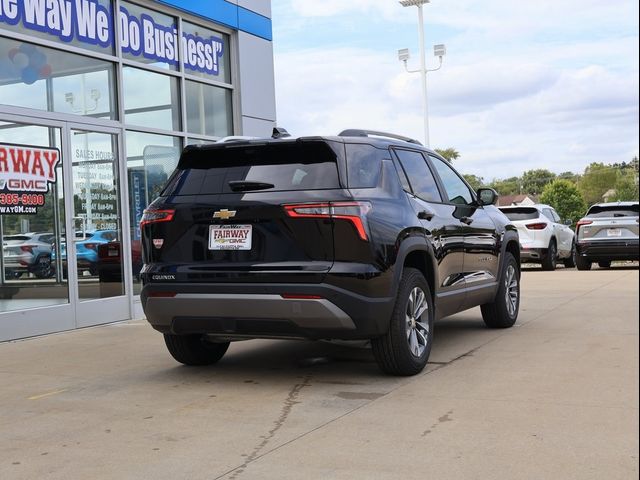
{"x": 544, "y": 238}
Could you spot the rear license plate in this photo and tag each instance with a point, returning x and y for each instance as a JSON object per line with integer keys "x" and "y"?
{"x": 614, "y": 232}
{"x": 230, "y": 237}
{"x": 113, "y": 253}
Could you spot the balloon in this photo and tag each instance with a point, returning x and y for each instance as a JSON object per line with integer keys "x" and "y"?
{"x": 20, "y": 60}
{"x": 29, "y": 75}
{"x": 37, "y": 59}
{"x": 45, "y": 71}
{"x": 27, "y": 48}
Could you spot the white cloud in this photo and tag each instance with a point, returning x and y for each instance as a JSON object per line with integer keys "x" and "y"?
{"x": 525, "y": 85}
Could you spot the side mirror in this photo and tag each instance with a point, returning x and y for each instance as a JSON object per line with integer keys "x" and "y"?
{"x": 487, "y": 196}
{"x": 568, "y": 222}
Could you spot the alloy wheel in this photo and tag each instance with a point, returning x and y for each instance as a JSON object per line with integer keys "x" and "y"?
{"x": 511, "y": 290}
{"x": 417, "y": 329}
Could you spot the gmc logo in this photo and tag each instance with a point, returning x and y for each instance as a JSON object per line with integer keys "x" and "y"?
{"x": 28, "y": 185}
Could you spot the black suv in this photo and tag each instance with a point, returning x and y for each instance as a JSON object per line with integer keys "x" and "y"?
{"x": 366, "y": 235}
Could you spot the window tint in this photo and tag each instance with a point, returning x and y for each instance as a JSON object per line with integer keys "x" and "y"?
{"x": 289, "y": 166}
{"x": 521, "y": 213}
{"x": 613, "y": 211}
{"x": 422, "y": 181}
{"x": 456, "y": 189}
{"x": 364, "y": 164}
{"x": 556, "y": 217}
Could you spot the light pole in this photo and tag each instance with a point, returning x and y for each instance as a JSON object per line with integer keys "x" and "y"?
{"x": 403, "y": 55}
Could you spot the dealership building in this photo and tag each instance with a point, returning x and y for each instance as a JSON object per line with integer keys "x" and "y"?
{"x": 97, "y": 99}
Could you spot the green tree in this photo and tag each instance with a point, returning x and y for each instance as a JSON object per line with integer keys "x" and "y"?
{"x": 626, "y": 186}
{"x": 475, "y": 181}
{"x": 449, "y": 154}
{"x": 565, "y": 197}
{"x": 598, "y": 178}
{"x": 534, "y": 181}
{"x": 508, "y": 186}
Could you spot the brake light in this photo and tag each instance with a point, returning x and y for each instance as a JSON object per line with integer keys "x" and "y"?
{"x": 162, "y": 294}
{"x": 91, "y": 246}
{"x": 582, "y": 223}
{"x": 156, "y": 216}
{"x": 354, "y": 212}
{"x": 27, "y": 248}
{"x": 537, "y": 226}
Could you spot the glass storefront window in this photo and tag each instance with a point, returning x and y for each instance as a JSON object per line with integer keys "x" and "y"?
{"x": 30, "y": 275}
{"x": 206, "y": 52}
{"x": 46, "y": 79}
{"x": 209, "y": 110}
{"x": 151, "y": 99}
{"x": 87, "y": 25}
{"x": 150, "y": 161}
{"x": 148, "y": 36}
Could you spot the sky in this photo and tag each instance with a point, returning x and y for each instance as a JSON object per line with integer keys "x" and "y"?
{"x": 547, "y": 84}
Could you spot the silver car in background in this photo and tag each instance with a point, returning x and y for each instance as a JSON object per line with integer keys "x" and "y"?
{"x": 608, "y": 232}
{"x": 27, "y": 253}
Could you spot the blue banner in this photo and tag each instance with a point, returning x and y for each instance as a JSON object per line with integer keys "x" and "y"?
{"x": 89, "y": 22}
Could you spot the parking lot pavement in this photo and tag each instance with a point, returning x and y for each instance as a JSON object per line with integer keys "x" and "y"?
{"x": 554, "y": 397}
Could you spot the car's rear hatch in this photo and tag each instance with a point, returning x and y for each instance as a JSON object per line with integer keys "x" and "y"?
{"x": 228, "y": 221}
{"x": 528, "y": 222}
{"x": 609, "y": 223}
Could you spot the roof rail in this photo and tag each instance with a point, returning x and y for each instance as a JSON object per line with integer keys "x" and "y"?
{"x": 354, "y": 132}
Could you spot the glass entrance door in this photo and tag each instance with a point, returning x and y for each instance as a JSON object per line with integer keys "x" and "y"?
{"x": 97, "y": 247}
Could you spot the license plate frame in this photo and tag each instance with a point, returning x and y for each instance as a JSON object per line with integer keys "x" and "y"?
{"x": 614, "y": 232}
{"x": 235, "y": 237}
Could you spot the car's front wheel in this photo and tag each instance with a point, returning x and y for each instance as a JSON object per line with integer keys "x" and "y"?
{"x": 194, "y": 349}
{"x": 405, "y": 348}
{"x": 503, "y": 311}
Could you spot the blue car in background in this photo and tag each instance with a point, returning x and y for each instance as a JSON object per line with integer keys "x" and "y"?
{"x": 87, "y": 249}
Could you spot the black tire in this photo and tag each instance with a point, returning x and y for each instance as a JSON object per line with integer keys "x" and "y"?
{"x": 405, "y": 348}
{"x": 503, "y": 311}
{"x": 194, "y": 349}
{"x": 583, "y": 263}
{"x": 570, "y": 262}
{"x": 549, "y": 262}
{"x": 42, "y": 267}
{"x": 605, "y": 264}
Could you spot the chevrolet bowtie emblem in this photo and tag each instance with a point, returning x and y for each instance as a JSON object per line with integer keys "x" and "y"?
{"x": 224, "y": 214}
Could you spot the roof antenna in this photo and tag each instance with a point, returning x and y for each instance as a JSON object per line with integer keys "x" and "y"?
{"x": 280, "y": 133}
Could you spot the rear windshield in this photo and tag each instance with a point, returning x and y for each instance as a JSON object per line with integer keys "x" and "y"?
{"x": 600, "y": 211}
{"x": 287, "y": 166}
{"x": 523, "y": 213}
{"x": 17, "y": 237}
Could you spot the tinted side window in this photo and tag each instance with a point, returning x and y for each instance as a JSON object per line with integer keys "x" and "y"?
{"x": 456, "y": 189}
{"x": 422, "y": 181}
{"x": 364, "y": 164}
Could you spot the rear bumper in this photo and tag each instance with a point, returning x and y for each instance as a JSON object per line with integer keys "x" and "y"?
{"x": 260, "y": 311}
{"x": 609, "y": 250}
{"x": 533, "y": 254}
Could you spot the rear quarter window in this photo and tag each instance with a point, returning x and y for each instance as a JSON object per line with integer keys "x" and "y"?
{"x": 364, "y": 165}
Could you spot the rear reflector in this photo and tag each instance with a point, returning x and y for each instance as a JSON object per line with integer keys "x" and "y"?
{"x": 354, "y": 212}
{"x": 536, "y": 226}
{"x": 296, "y": 296}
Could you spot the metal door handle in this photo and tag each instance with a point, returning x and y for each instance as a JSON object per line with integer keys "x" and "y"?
{"x": 426, "y": 215}
{"x": 467, "y": 220}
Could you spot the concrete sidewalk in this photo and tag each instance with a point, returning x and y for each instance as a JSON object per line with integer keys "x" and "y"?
{"x": 554, "y": 397}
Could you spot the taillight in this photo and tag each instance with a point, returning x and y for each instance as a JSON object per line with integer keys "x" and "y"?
{"x": 354, "y": 212}
{"x": 91, "y": 246}
{"x": 582, "y": 223}
{"x": 27, "y": 248}
{"x": 536, "y": 226}
{"x": 156, "y": 216}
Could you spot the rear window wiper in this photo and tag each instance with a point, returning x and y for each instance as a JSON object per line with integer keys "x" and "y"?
{"x": 248, "y": 185}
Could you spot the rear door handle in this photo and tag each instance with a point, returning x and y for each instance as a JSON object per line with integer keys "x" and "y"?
{"x": 467, "y": 220}
{"x": 426, "y": 215}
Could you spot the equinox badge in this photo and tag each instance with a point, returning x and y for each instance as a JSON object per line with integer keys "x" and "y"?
{"x": 224, "y": 214}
